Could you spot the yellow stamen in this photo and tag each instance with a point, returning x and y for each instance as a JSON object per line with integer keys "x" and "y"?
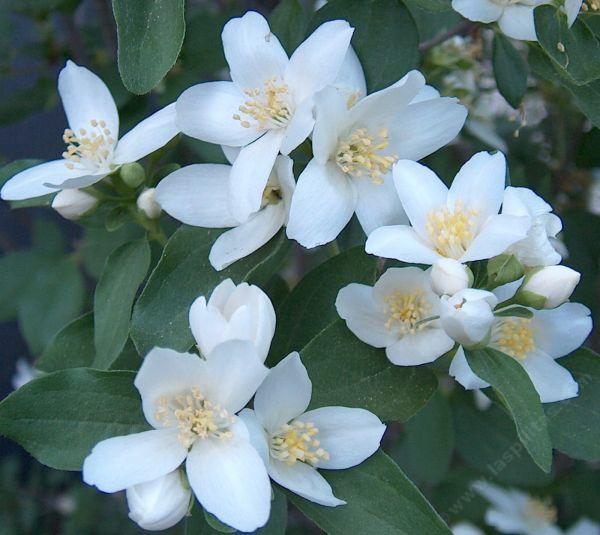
{"x": 542, "y": 510}
{"x": 93, "y": 149}
{"x": 268, "y": 107}
{"x": 514, "y": 337}
{"x": 406, "y": 310}
{"x": 298, "y": 441}
{"x": 452, "y": 231}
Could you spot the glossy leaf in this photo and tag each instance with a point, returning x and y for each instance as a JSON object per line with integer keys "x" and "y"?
{"x": 288, "y": 21}
{"x": 510, "y": 70}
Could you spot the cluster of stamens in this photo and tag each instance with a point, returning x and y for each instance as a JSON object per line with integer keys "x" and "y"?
{"x": 406, "y": 311}
{"x": 271, "y": 195}
{"x": 515, "y": 338}
{"x": 195, "y": 417}
{"x": 92, "y": 147}
{"x": 360, "y": 155}
{"x": 267, "y": 106}
{"x": 542, "y": 510}
{"x": 297, "y": 441}
{"x": 451, "y": 232}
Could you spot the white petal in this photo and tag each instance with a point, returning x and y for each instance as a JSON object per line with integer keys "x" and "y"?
{"x": 230, "y": 481}
{"x": 208, "y": 325}
{"x": 421, "y": 347}
{"x": 509, "y": 501}
{"x": 120, "y": 462}
{"x": 402, "y": 280}
{"x": 426, "y": 93}
{"x": 149, "y": 135}
{"x": 351, "y": 78}
{"x": 284, "y": 172}
{"x": 506, "y": 291}
{"x": 284, "y": 394}
{"x": 523, "y": 201}
{"x": 506, "y": 521}
{"x": 85, "y": 97}
{"x": 305, "y": 481}
{"x": 584, "y": 526}
{"x": 572, "y": 8}
{"x": 461, "y": 371}
{"x": 256, "y": 433}
{"x": 402, "y": 243}
{"x": 330, "y": 109}
{"x": 254, "y": 54}
{"x": 517, "y": 22}
{"x": 550, "y": 379}
{"x": 317, "y": 61}
{"x": 205, "y": 111}
{"x": 299, "y": 127}
{"x": 322, "y": 205}
{"x": 478, "y": 10}
{"x": 349, "y": 435}
{"x": 230, "y": 153}
{"x": 197, "y": 195}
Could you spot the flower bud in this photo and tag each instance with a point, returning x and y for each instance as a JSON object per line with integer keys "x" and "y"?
{"x": 160, "y": 503}
{"x": 73, "y": 203}
{"x": 554, "y": 284}
{"x": 467, "y": 316}
{"x": 147, "y": 204}
{"x": 449, "y": 276}
{"x": 132, "y": 174}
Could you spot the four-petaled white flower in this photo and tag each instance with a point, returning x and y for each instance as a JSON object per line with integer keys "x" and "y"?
{"x": 460, "y": 223}
{"x": 267, "y": 108}
{"x": 354, "y": 148}
{"x": 399, "y": 313}
{"x": 93, "y": 148}
{"x": 191, "y": 404}
{"x": 294, "y": 443}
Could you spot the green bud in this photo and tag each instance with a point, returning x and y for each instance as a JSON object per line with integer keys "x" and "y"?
{"x": 503, "y": 269}
{"x": 132, "y": 174}
{"x": 529, "y": 299}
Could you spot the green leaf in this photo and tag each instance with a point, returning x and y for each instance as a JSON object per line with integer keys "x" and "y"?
{"x": 216, "y": 525}
{"x": 515, "y": 312}
{"x": 380, "y": 27}
{"x": 47, "y": 236}
{"x": 125, "y": 270}
{"x": 60, "y": 417}
{"x": 503, "y": 269}
{"x": 288, "y": 21}
{"x": 347, "y": 372}
{"x": 279, "y": 514}
{"x": 510, "y": 70}
{"x": 511, "y": 382}
{"x": 435, "y": 5}
{"x": 380, "y": 499}
{"x": 150, "y": 35}
{"x": 160, "y": 315}
{"x": 575, "y": 423}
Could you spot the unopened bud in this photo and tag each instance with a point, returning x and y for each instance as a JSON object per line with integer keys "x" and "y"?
{"x": 146, "y": 203}
{"x": 449, "y": 276}
{"x": 132, "y": 174}
{"x": 73, "y": 203}
{"x": 548, "y": 287}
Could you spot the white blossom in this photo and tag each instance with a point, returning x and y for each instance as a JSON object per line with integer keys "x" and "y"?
{"x": 554, "y": 283}
{"x": 449, "y": 276}
{"x": 73, "y": 203}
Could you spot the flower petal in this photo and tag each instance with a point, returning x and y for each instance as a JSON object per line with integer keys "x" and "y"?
{"x": 550, "y": 379}
{"x": 421, "y": 347}
{"x": 300, "y": 126}
{"x": 517, "y": 22}
{"x": 461, "y": 371}
{"x": 330, "y": 107}
{"x": 351, "y": 77}
{"x": 478, "y": 10}
{"x": 402, "y": 243}
{"x": 256, "y": 433}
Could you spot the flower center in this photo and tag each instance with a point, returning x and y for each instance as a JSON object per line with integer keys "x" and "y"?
{"x": 271, "y": 195}
{"x": 406, "y": 311}
{"x": 93, "y": 147}
{"x": 194, "y": 416}
{"x": 360, "y": 155}
{"x": 268, "y": 106}
{"x": 452, "y": 231}
{"x": 297, "y": 441}
{"x": 515, "y": 338}
{"x": 541, "y": 510}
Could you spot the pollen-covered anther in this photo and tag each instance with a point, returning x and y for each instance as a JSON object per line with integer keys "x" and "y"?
{"x": 515, "y": 337}
{"x": 542, "y": 509}
{"x": 406, "y": 311}
{"x": 360, "y": 155}
{"x": 268, "y": 106}
{"x": 298, "y": 441}
{"x": 92, "y": 148}
{"x": 271, "y": 195}
{"x": 452, "y": 231}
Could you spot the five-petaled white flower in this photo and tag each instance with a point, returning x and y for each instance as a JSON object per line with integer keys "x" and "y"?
{"x": 191, "y": 403}
{"x": 294, "y": 443}
{"x": 267, "y": 108}
{"x": 93, "y": 148}
{"x": 399, "y": 313}
{"x": 354, "y": 149}
{"x": 460, "y": 223}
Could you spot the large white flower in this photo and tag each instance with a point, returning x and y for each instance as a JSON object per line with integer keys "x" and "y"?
{"x": 93, "y": 148}
{"x": 460, "y": 223}
{"x": 354, "y": 149}
{"x": 199, "y": 195}
{"x": 515, "y": 17}
{"x": 242, "y": 312}
{"x": 191, "y": 403}
{"x": 397, "y": 314}
{"x": 267, "y": 108}
{"x": 294, "y": 443}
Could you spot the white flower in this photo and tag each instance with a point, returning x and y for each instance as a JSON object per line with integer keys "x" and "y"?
{"x": 161, "y": 503}
{"x": 268, "y": 107}
{"x": 584, "y": 526}
{"x": 460, "y": 223}
{"x": 467, "y": 316}
{"x": 539, "y": 247}
{"x": 191, "y": 404}
{"x": 73, "y": 203}
{"x": 514, "y": 511}
{"x": 93, "y": 148}
{"x": 23, "y": 374}
{"x": 199, "y": 195}
{"x": 515, "y": 17}
{"x": 242, "y": 312}
{"x": 354, "y": 149}
{"x": 147, "y": 203}
{"x": 555, "y": 283}
{"x": 465, "y": 528}
{"x": 449, "y": 276}
{"x": 398, "y": 313}
{"x": 294, "y": 443}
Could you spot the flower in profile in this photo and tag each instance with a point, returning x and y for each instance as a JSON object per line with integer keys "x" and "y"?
{"x": 73, "y": 203}
{"x": 93, "y": 147}
{"x": 554, "y": 284}
{"x": 191, "y": 404}
{"x": 267, "y": 108}
{"x": 294, "y": 443}
{"x": 460, "y": 223}
{"x": 401, "y": 313}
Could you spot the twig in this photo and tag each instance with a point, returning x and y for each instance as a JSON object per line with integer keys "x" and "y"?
{"x": 464, "y": 27}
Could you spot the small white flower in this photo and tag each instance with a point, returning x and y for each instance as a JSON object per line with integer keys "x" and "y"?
{"x": 294, "y": 443}
{"x": 555, "y": 283}
{"x": 73, "y": 203}
{"x": 268, "y": 106}
{"x": 93, "y": 148}
{"x": 191, "y": 404}
{"x": 161, "y": 503}
{"x": 465, "y": 528}
{"x": 584, "y": 526}
{"x": 398, "y": 313}
{"x": 147, "y": 203}
{"x": 199, "y": 195}
{"x": 460, "y": 223}
{"x": 354, "y": 148}
{"x": 23, "y": 374}
{"x": 448, "y": 276}
{"x": 242, "y": 312}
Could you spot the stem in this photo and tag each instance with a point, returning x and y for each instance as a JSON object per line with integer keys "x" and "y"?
{"x": 462, "y": 28}
{"x": 151, "y": 225}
